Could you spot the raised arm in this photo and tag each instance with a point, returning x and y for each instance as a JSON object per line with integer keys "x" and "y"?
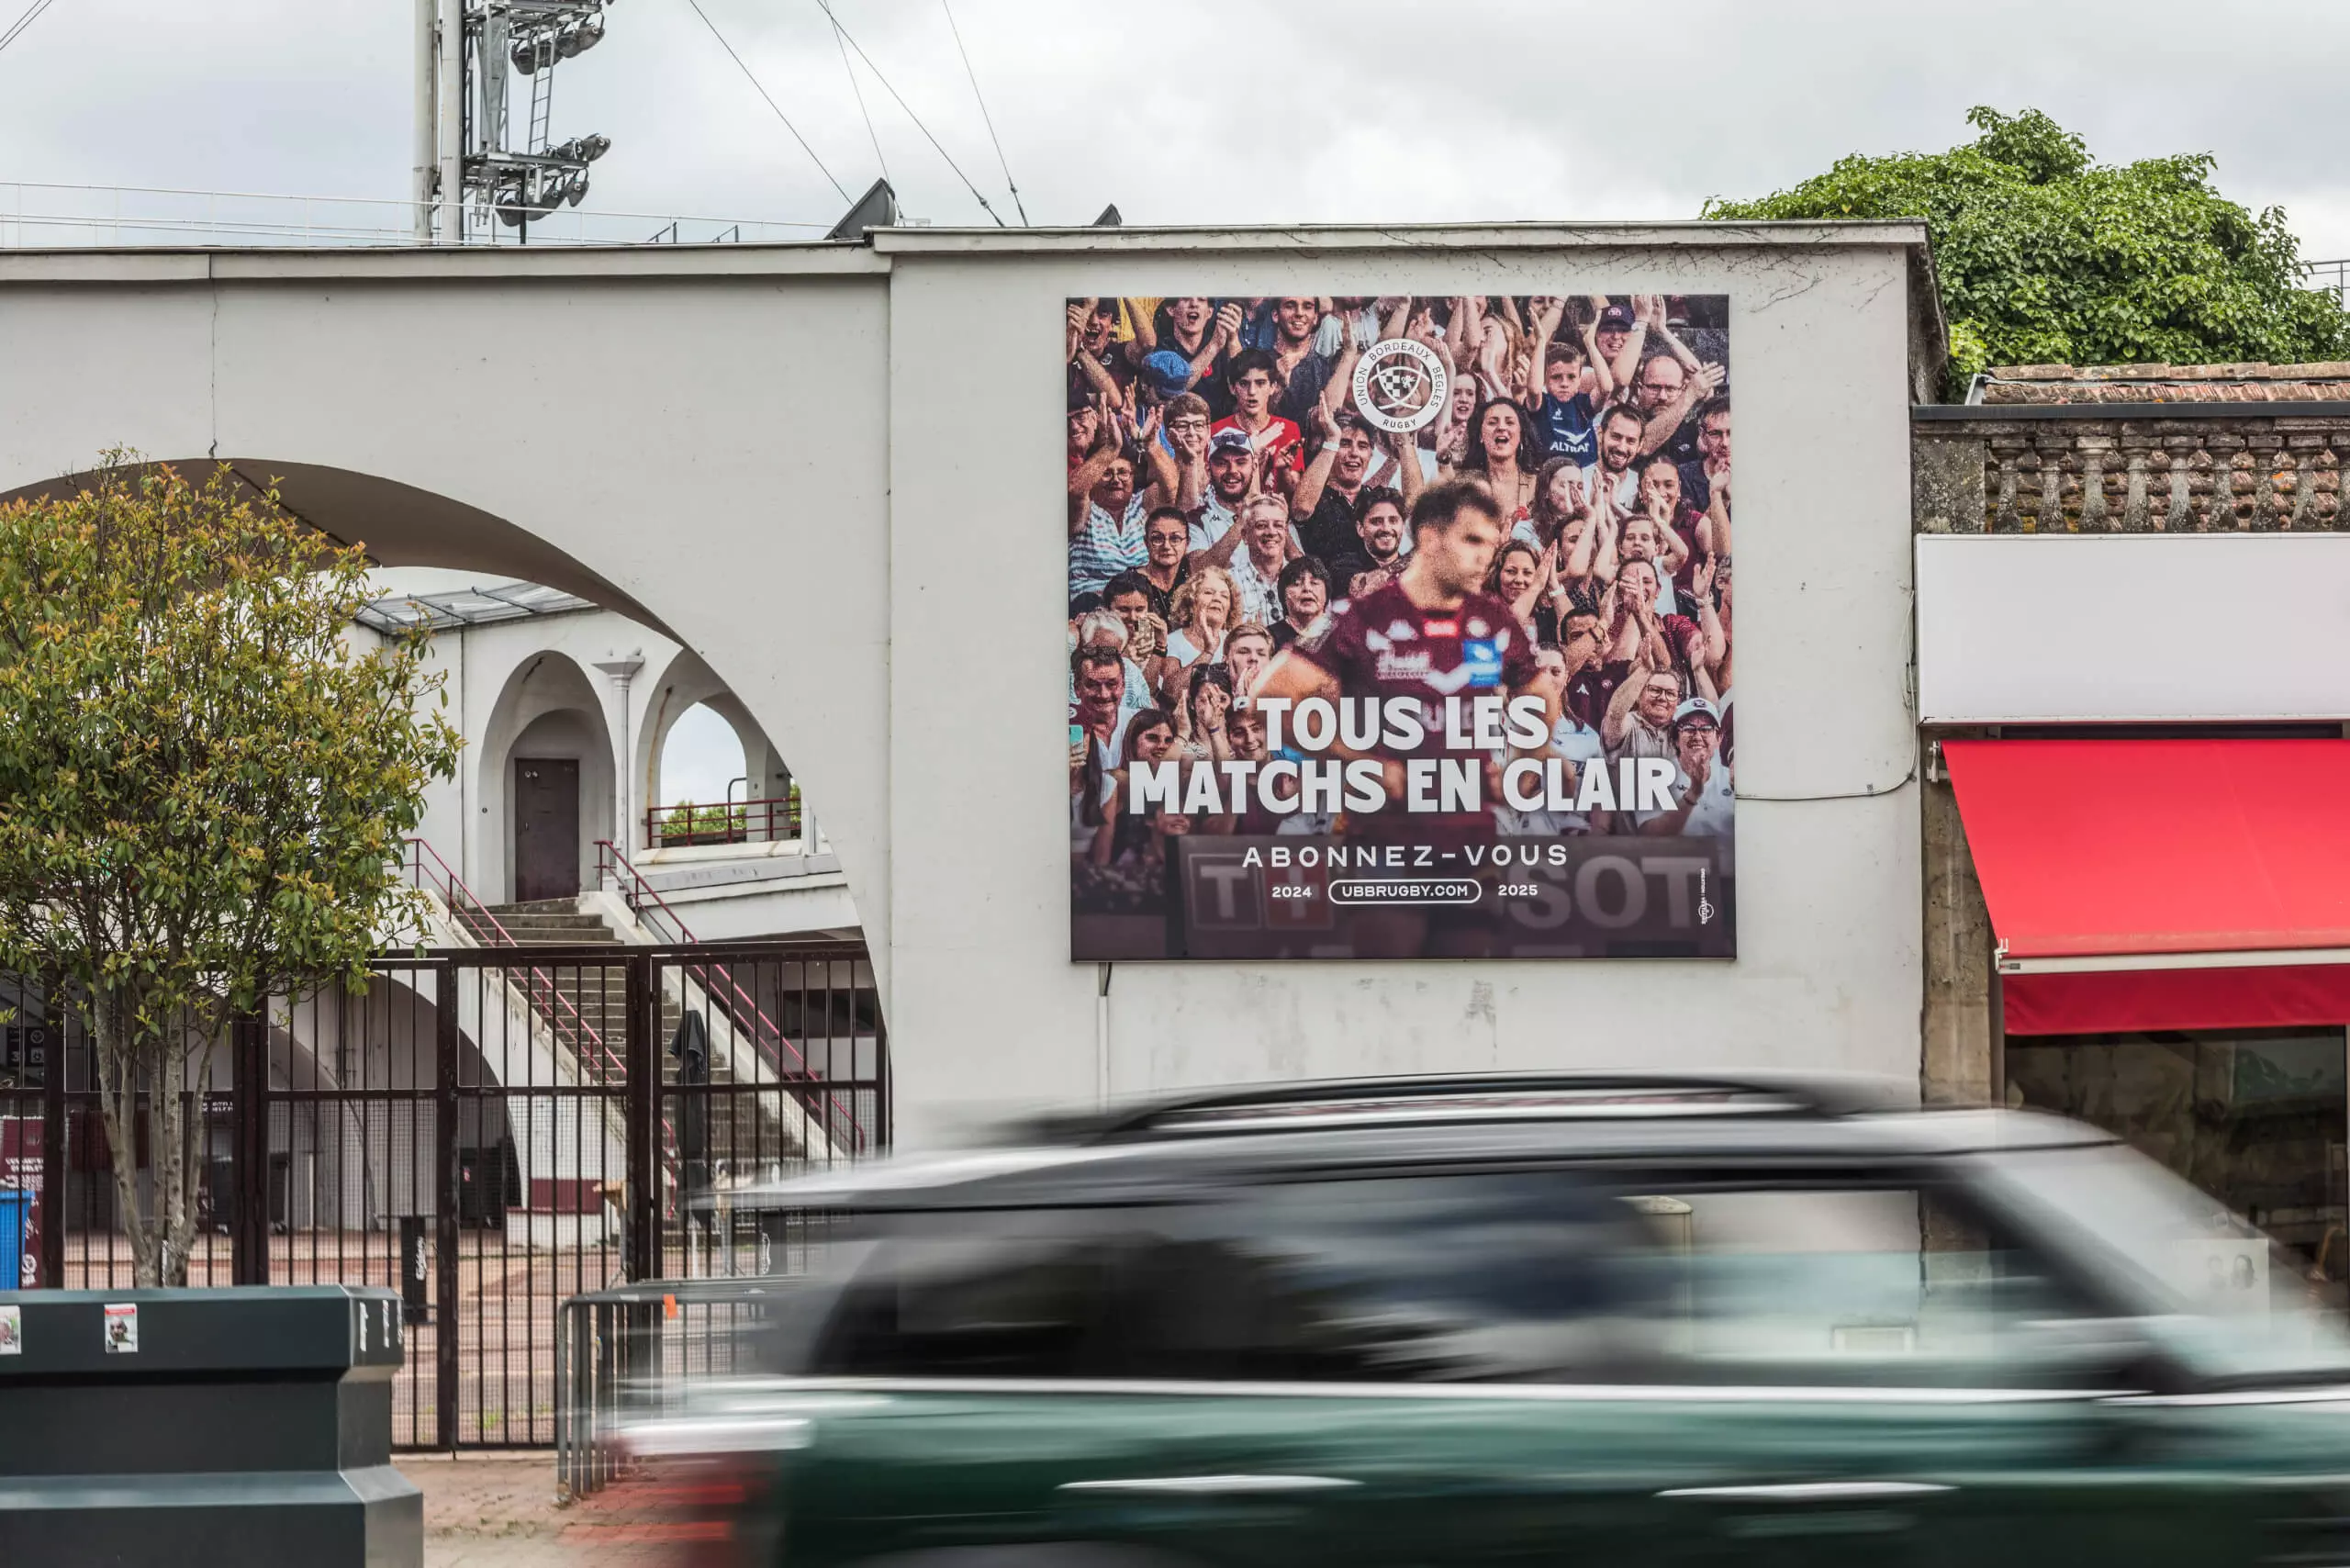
{"x": 1226, "y": 333}
{"x": 1713, "y": 529}
{"x": 1603, "y": 379}
{"x": 1409, "y": 480}
{"x": 1668, "y": 824}
{"x": 1619, "y": 706}
{"x": 1466, "y": 335}
{"x": 1099, "y": 379}
{"x": 1146, "y": 326}
{"x": 1702, "y": 384}
{"x": 1672, "y": 340}
{"x": 1088, "y": 474}
{"x": 1493, "y": 359}
{"x": 1627, "y": 358}
{"x": 1676, "y": 552}
{"x": 1165, "y": 474}
{"x": 1605, "y": 563}
{"x": 1548, "y": 310}
{"x": 1317, "y": 477}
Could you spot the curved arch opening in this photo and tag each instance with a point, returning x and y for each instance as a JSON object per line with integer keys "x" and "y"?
{"x": 544, "y": 777}
{"x": 703, "y": 772}
{"x": 712, "y": 773}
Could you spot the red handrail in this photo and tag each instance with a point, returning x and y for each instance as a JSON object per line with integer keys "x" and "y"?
{"x": 542, "y": 991}
{"x": 729, "y": 823}
{"x": 611, "y": 863}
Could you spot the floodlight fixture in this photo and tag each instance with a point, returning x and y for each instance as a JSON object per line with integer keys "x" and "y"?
{"x": 580, "y": 37}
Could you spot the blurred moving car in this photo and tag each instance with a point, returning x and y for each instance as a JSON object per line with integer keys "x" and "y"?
{"x": 1485, "y": 1320}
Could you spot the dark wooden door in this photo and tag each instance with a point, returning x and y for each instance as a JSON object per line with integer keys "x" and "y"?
{"x": 546, "y": 828}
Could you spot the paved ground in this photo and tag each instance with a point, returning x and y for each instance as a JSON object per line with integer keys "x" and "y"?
{"x": 483, "y": 1511}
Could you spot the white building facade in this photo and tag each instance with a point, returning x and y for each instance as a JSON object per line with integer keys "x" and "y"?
{"x": 819, "y": 484}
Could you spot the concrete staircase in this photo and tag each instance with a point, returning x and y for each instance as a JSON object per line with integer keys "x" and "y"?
{"x": 738, "y": 1131}
{"x": 598, "y": 991}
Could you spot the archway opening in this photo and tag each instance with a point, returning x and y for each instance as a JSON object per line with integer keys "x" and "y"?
{"x": 546, "y": 782}
{"x": 704, "y": 792}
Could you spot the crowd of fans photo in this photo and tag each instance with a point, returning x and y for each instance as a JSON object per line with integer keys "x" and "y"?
{"x": 1230, "y": 501}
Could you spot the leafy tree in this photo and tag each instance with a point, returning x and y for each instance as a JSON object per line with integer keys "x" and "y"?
{"x": 203, "y": 789}
{"x": 2045, "y": 257}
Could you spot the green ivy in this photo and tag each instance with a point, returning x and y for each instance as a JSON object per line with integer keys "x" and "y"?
{"x": 2047, "y": 257}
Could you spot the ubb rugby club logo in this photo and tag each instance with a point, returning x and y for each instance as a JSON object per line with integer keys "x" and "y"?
{"x": 1401, "y": 385}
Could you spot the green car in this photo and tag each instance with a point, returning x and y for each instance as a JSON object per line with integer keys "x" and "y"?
{"x": 1567, "y": 1320}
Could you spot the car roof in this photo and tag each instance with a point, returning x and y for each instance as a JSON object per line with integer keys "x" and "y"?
{"x": 1175, "y": 1149}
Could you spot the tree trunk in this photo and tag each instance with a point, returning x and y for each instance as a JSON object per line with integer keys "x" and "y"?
{"x": 166, "y": 1108}
{"x": 116, "y": 1035}
{"x": 189, "y": 1148}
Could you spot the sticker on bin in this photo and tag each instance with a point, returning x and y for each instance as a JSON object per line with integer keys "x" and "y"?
{"x": 12, "y": 1330}
{"x": 122, "y": 1328}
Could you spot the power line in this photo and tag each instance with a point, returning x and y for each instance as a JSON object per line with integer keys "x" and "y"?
{"x": 754, "y": 82}
{"x": 826, "y": 8}
{"x": 32, "y": 15}
{"x": 850, "y": 72}
{"x": 1017, "y": 203}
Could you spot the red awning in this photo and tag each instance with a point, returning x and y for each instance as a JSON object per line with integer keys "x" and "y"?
{"x": 2163, "y": 883}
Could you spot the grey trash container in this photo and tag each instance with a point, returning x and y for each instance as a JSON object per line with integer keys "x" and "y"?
{"x": 203, "y": 1428}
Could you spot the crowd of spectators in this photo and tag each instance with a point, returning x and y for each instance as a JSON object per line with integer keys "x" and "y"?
{"x": 1229, "y": 498}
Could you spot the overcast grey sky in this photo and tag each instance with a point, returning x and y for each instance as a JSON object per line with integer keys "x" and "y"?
{"x": 1318, "y": 109}
{"x": 1336, "y": 110}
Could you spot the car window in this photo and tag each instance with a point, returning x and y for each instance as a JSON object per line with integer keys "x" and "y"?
{"x": 1446, "y": 1277}
{"x": 1809, "y": 1281}
{"x": 1021, "y": 1296}
{"x": 2210, "y": 1285}
{"x": 1525, "y": 1277}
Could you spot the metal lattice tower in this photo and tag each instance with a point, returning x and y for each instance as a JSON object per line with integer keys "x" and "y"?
{"x": 472, "y": 173}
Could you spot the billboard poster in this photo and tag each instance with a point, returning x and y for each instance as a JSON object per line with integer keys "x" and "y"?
{"x": 1400, "y": 627}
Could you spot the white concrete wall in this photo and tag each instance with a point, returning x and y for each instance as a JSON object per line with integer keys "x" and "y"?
{"x": 986, "y": 1011}
{"x": 2145, "y": 626}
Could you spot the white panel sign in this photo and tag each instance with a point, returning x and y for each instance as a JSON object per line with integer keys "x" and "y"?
{"x": 2206, "y": 627}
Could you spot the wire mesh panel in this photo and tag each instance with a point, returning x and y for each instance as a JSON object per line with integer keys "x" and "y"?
{"x": 772, "y": 1062}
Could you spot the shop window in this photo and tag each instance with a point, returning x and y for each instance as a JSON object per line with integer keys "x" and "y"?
{"x": 2255, "y": 1118}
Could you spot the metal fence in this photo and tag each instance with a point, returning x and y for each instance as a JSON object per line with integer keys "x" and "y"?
{"x": 491, "y": 1132}
{"x": 635, "y": 1353}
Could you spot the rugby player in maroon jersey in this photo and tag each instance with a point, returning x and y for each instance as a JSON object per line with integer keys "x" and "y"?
{"x": 1430, "y": 634}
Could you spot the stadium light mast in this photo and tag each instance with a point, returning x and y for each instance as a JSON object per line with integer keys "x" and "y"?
{"x": 473, "y": 170}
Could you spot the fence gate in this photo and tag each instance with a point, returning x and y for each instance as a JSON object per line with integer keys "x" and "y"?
{"x": 490, "y": 1131}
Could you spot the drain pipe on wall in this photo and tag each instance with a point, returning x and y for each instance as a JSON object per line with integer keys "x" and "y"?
{"x": 1102, "y": 1034}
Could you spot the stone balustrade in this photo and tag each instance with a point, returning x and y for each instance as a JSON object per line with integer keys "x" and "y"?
{"x": 2166, "y": 471}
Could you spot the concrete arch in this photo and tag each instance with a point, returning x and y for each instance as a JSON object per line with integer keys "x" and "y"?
{"x": 693, "y": 441}
{"x": 685, "y": 683}
{"x": 401, "y": 524}
{"x": 551, "y": 708}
